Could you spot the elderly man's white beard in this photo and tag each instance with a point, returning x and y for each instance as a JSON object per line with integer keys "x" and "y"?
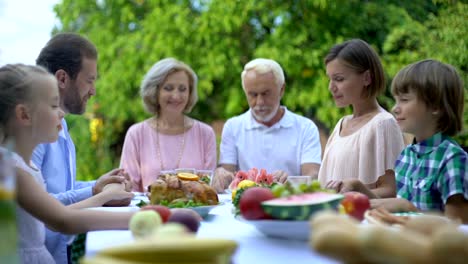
{"x": 267, "y": 118}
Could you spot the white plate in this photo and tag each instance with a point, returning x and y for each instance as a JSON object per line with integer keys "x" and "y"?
{"x": 295, "y": 230}
{"x": 203, "y": 211}
{"x": 116, "y": 209}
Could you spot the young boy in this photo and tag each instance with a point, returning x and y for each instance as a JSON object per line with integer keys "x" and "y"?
{"x": 431, "y": 173}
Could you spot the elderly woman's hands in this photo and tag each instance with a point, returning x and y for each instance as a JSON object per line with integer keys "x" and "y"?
{"x": 221, "y": 179}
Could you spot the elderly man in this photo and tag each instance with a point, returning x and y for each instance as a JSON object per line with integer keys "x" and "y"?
{"x": 72, "y": 59}
{"x": 267, "y": 136}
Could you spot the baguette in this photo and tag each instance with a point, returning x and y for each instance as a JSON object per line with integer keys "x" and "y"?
{"x": 449, "y": 245}
{"x": 426, "y": 224}
{"x": 339, "y": 243}
{"x": 387, "y": 245}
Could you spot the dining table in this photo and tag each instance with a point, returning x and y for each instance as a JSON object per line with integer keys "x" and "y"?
{"x": 220, "y": 222}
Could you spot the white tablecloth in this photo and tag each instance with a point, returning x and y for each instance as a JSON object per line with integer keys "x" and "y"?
{"x": 254, "y": 247}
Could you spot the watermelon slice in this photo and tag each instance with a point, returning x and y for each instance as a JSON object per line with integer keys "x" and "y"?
{"x": 301, "y": 206}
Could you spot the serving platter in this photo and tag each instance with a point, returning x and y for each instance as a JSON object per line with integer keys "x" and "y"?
{"x": 115, "y": 209}
{"x": 203, "y": 211}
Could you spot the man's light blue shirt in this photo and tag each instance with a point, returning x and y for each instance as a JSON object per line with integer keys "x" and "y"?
{"x": 57, "y": 162}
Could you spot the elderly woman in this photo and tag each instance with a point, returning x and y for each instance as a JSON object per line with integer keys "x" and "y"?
{"x": 170, "y": 139}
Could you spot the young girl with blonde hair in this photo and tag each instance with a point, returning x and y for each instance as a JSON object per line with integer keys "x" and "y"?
{"x": 29, "y": 115}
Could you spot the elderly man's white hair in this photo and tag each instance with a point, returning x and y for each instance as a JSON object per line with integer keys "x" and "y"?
{"x": 262, "y": 66}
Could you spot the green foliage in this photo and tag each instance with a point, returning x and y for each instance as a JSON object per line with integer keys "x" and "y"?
{"x": 218, "y": 37}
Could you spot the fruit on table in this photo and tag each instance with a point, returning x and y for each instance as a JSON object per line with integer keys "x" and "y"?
{"x": 287, "y": 189}
{"x": 280, "y": 190}
{"x": 250, "y": 203}
{"x": 186, "y": 217}
{"x": 144, "y": 223}
{"x": 243, "y": 185}
{"x": 170, "y": 230}
{"x": 162, "y": 210}
{"x": 246, "y": 184}
{"x": 301, "y": 206}
{"x": 355, "y": 204}
{"x": 260, "y": 177}
{"x": 186, "y": 176}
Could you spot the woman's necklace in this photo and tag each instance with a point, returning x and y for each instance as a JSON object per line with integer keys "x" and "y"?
{"x": 159, "y": 147}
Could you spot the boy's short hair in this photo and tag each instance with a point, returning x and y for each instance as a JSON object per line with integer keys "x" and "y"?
{"x": 439, "y": 86}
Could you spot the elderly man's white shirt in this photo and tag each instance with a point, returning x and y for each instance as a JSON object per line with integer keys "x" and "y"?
{"x": 286, "y": 145}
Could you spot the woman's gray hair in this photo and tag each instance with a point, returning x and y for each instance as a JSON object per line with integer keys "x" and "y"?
{"x": 157, "y": 75}
{"x": 262, "y": 66}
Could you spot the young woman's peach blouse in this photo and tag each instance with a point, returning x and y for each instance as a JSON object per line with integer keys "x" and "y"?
{"x": 366, "y": 154}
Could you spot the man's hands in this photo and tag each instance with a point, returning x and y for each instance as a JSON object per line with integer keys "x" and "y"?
{"x": 221, "y": 179}
{"x": 115, "y": 176}
{"x": 280, "y": 176}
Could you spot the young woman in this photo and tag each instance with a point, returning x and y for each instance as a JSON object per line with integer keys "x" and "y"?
{"x": 361, "y": 151}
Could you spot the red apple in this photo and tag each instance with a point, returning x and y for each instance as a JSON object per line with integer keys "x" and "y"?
{"x": 355, "y": 204}
{"x": 163, "y": 211}
{"x": 250, "y": 203}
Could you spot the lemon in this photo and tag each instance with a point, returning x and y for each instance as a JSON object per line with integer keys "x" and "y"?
{"x": 186, "y": 176}
{"x": 246, "y": 184}
{"x": 233, "y": 194}
{"x": 341, "y": 209}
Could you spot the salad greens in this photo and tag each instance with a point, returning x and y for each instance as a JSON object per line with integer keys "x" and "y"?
{"x": 176, "y": 204}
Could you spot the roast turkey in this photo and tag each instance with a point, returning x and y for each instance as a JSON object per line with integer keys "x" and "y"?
{"x": 171, "y": 188}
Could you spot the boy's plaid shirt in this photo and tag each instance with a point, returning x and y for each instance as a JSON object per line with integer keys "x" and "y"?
{"x": 429, "y": 172}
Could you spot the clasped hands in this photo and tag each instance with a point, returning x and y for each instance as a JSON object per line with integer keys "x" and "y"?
{"x": 119, "y": 186}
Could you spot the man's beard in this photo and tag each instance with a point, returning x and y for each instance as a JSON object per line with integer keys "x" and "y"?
{"x": 72, "y": 101}
{"x": 267, "y": 118}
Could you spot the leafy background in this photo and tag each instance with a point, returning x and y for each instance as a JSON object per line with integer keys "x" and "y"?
{"x": 217, "y": 37}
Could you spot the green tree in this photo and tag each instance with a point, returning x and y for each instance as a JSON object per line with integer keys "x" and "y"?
{"x": 217, "y": 37}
